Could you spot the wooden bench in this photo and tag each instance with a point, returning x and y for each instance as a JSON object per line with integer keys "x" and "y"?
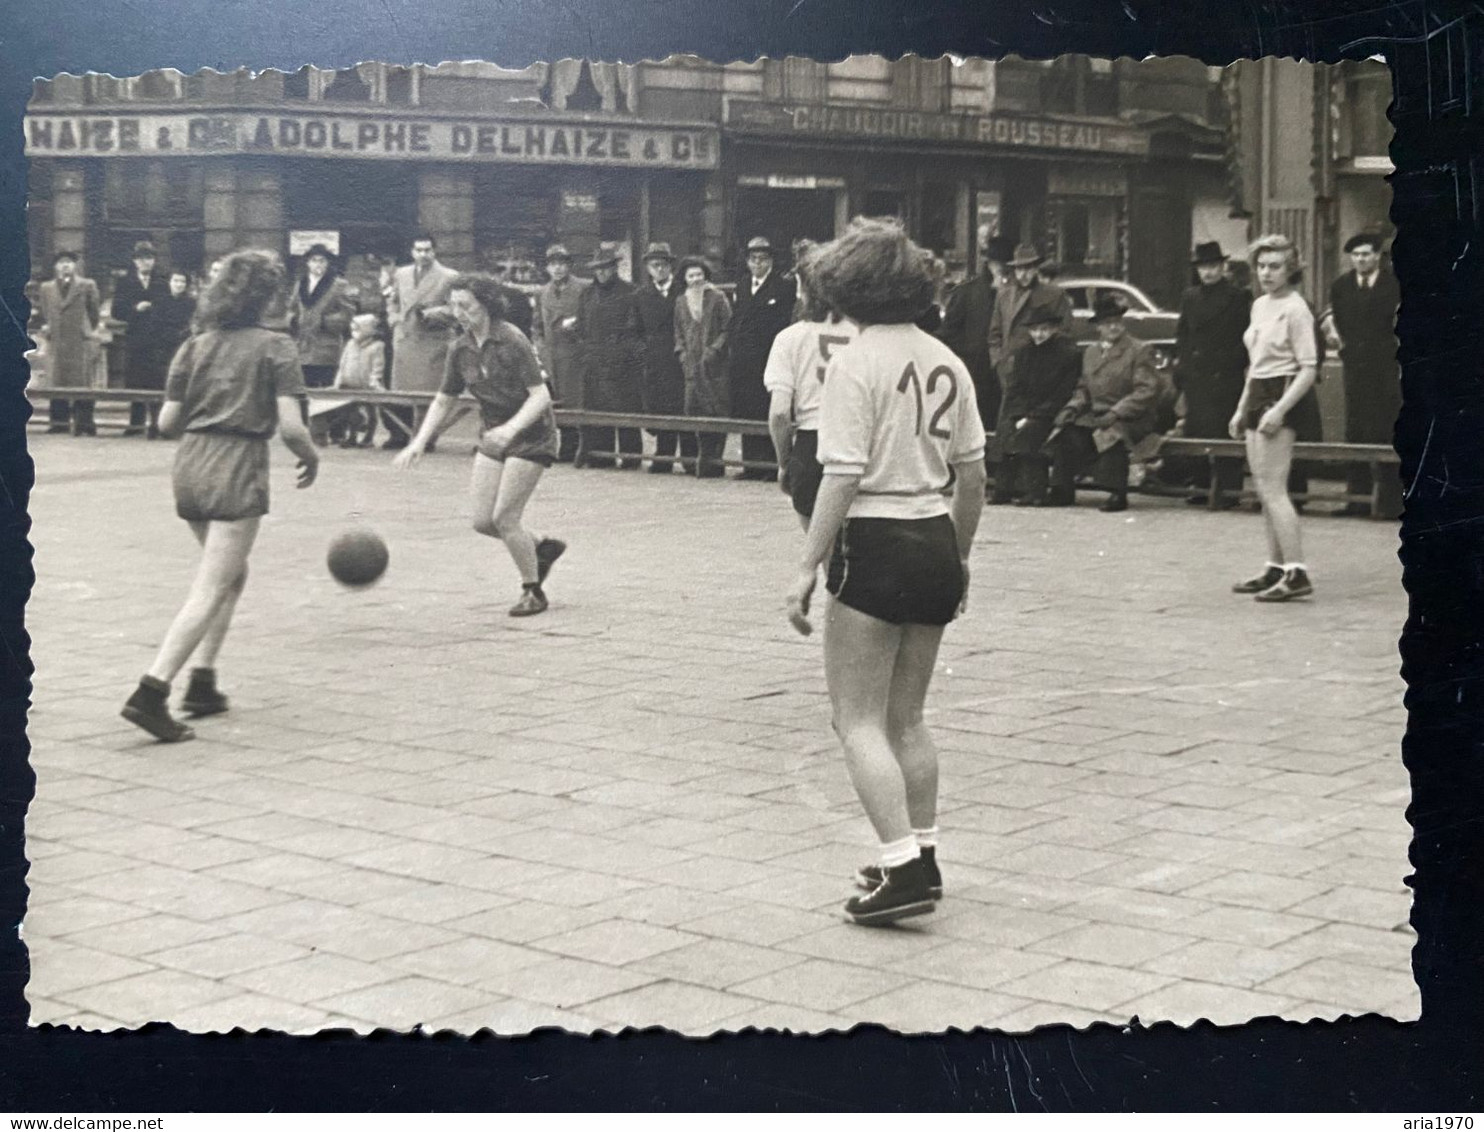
{"x": 419, "y": 402}
{"x": 1374, "y": 456}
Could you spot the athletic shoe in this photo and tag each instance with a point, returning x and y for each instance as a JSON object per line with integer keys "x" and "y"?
{"x": 202, "y": 696}
{"x": 548, "y": 550}
{"x": 868, "y": 877}
{"x": 531, "y": 603}
{"x": 146, "y": 708}
{"x": 903, "y": 892}
{"x": 1118, "y": 501}
{"x": 1264, "y": 581}
{"x": 1293, "y": 584}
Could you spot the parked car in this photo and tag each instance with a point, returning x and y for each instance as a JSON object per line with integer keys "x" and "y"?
{"x": 1146, "y": 320}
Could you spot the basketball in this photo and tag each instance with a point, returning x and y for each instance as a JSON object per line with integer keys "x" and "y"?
{"x": 358, "y": 558}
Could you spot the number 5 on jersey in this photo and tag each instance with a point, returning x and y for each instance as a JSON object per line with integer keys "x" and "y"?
{"x": 910, "y": 380}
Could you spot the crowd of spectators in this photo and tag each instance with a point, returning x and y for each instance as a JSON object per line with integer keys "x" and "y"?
{"x": 673, "y": 342}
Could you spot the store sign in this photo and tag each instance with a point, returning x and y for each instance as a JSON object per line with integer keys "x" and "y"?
{"x": 884, "y": 124}
{"x": 302, "y": 239}
{"x": 517, "y": 141}
{"x": 1086, "y": 181}
{"x": 790, "y": 181}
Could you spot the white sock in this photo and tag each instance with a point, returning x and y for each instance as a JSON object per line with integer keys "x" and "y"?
{"x": 1297, "y": 566}
{"x": 1275, "y": 565}
{"x": 895, "y": 853}
{"x": 926, "y": 838}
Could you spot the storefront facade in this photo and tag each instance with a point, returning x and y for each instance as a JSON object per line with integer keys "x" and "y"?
{"x": 202, "y": 181}
{"x": 1075, "y": 187}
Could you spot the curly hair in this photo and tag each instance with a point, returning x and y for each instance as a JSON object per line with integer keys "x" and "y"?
{"x": 873, "y": 274}
{"x": 249, "y": 281}
{"x": 1275, "y": 242}
{"x": 488, "y": 292}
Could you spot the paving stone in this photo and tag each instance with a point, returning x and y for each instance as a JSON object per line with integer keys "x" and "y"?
{"x": 227, "y": 955}
{"x": 1088, "y": 986}
{"x": 511, "y": 1016}
{"x": 311, "y": 977}
{"x": 615, "y": 942}
{"x": 1355, "y": 986}
{"x": 1364, "y": 906}
{"x": 57, "y": 968}
{"x": 251, "y": 1012}
{"x": 153, "y": 996}
{"x": 1188, "y": 1002}
{"x": 821, "y": 984}
{"x": 1210, "y": 961}
{"x": 676, "y": 1006}
{"x": 406, "y": 1003}
{"x": 1115, "y": 944}
{"x": 562, "y": 982}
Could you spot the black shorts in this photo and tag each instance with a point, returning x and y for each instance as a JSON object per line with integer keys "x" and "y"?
{"x": 905, "y": 571}
{"x": 1303, "y": 418}
{"x": 805, "y": 472}
{"x": 220, "y": 476}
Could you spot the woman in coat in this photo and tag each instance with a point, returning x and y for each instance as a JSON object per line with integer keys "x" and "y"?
{"x": 320, "y": 311}
{"x": 702, "y": 316}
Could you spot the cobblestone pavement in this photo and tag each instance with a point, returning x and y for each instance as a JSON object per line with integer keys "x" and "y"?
{"x": 1159, "y": 799}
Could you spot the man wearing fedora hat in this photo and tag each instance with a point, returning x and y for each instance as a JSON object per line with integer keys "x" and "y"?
{"x": 1008, "y": 331}
{"x": 556, "y": 338}
{"x": 1363, "y": 304}
{"x": 1210, "y": 367}
{"x": 1112, "y": 409}
{"x": 965, "y": 328}
{"x": 608, "y": 325}
{"x": 664, "y": 381}
{"x": 764, "y": 306}
{"x": 137, "y": 299}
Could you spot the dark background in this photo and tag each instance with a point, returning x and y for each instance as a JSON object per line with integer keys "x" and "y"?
{"x": 1436, "y": 52}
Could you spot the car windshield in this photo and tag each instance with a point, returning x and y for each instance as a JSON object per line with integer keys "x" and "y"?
{"x": 1084, "y": 294}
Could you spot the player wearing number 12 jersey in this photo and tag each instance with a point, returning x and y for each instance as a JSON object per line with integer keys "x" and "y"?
{"x": 899, "y": 430}
{"x": 794, "y": 377}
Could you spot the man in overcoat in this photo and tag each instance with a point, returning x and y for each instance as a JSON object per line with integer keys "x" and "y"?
{"x": 965, "y": 328}
{"x": 1211, "y": 366}
{"x": 1007, "y": 322}
{"x": 608, "y": 325}
{"x": 1112, "y": 410}
{"x": 1363, "y": 304}
{"x": 70, "y": 313}
{"x": 664, "y": 381}
{"x": 138, "y": 298}
{"x": 422, "y": 330}
{"x": 1045, "y": 375}
{"x": 556, "y": 338}
{"x": 764, "y": 305}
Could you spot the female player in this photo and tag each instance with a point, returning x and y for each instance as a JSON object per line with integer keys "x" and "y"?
{"x": 228, "y": 389}
{"x": 1277, "y": 407}
{"x": 794, "y": 376}
{"x": 494, "y": 362}
{"x": 898, "y": 428}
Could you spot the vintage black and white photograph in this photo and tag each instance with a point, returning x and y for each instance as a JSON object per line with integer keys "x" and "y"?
{"x": 715, "y": 545}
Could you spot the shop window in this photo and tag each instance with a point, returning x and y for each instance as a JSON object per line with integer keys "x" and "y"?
{"x": 884, "y": 202}
{"x": 1085, "y": 233}
{"x": 153, "y": 194}
{"x": 1367, "y": 94}
{"x": 938, "y": 229}
{"x": 1073, "y": 85}
{"x": 399, "y": 86}
{"x": 296, "y": 84}
{"x": 158, "y": 85}
{"x": 922, "y": 84}
{"x": 348, "y": 86}
{"x": 794, "y": 80}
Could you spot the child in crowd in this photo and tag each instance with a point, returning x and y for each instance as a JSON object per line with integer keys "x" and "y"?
{"x": 362, "y": 366}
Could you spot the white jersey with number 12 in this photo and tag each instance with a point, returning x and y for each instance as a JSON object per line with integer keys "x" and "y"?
{"x": 898, "y": 410}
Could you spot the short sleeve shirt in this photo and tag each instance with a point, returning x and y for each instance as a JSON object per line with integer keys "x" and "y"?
{"x": 230, "y": 380}
{"x": 1280, "y": 337}
{"x": 898, "y": 410}
{"x": 499, "y": 374}
{"x": 797, "y": 362}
